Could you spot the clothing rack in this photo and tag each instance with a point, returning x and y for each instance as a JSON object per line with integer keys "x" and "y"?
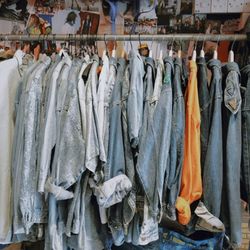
{"x": 169, "y": 37}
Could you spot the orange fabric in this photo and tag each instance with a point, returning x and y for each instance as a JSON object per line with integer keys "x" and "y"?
{"x": 191, "y": 185}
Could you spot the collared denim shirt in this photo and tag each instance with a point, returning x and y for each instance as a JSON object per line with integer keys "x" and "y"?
{"x": 245, "y": 161}
{"x": 49, "y": 131}
{"x": 28, "y": 205}
{"x": 153, "y": 155}
{"x": 231, "y": 115}
{"x": 17, "y": 154}
{"x": 68, "y": 162}
{"x": 177, "y": 141}
{"x": 149, "y": 81}
{"x": 204, "y": 101}
{"x": 129, "y": 203}
{"x": 94, "y": 144}
{"x": 31, "y": 202}
{"x": 107, "y": 99}
{"x": 213, "y": 163}
{"x": 135, "y": 97}
{"x": 116, "y": 155}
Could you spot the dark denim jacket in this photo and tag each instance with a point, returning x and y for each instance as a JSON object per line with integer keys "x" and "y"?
{"x": 231, "y": 115}
{"x": 213, "y": 163}
{"x": 245, "y": 162}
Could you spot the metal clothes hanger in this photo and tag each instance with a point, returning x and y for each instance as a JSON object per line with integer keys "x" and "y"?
{"x": 179, "y": 50}
{"x": 215, "y": 56}
{"x": 194, "y": 51}
{"x": 202, "y": 52}
{"x": 231, "y": 52}
{"x": 113, "y": 54}
{"x": 171, "y": 48}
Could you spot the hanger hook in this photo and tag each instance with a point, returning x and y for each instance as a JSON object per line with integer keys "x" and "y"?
{"x": 195, "y": 44}
{"x": 115, "y": 44}
{"x": 130, "y": 41}
{"x": 218, "y": 41}
{"x": 172, "y": 43}
{"x": 232, "y": 46}
{"x": 105, "y": 42}
{"x": 203, "y": 42}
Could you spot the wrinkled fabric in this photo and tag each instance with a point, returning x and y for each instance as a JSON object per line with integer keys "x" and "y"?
{"x": 103, "y": 81}
{"x": 31, "y": 202}
{"x": 116, "y": 156}
{"x": 213, "y": 162}
{"x": 135, "y": 97}
{"x": 94, "y": 144}
{"x": 10, "y": 81}
{"x": 18, "y": 147}
{"x": 231, "y": 118}
{"x": 68, "y": 162}
{"x": 204, "y": 101}
{"x": 191, "y": 184}
{"x": 152, "y": 160}
{"x": 129, "y": 202}
{"x": 245, "y": 161}
{"x": 177, "y": 142}
{"x": 111, "y": 191}
{"x": 49, "y": 138}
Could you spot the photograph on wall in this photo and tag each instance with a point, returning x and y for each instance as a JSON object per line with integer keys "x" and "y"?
{"x": 146, "y": 26}
{"x": 39, "y": 25}
{"x": 49, "y": 6}
{"x": 167, "y": 7}
{"x": 89, "y": 23}
{"x": 13, "y": 10}
{"x": 213, "y": 26}
{"x": 84, "y": 5}
{"x": 230, "y": 26}
{"x": 186, "y": 7}
{"x": 199, "y": 23}
{"x": 66, "y": 22}
{"x": 172, "y": 24}
{"x": 187, "y": 23}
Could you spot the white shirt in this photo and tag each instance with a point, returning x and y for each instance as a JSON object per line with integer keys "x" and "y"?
{"x": 101, "y": 93}
{"x": 9, "y": 81}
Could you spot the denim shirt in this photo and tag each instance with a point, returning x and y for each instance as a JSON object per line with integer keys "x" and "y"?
{"x": 231, "y": 115}
{"x": 18, "y": 147}
{"x": 30, "y": 201}
{"x": 153, "y": 155}
{"x": 177, "y": 141}
{"x": 68, "y": 163}
{"x": 245, "y": 162}
{"x": 94, "y": 144}
{"x": 135, "y": 98}
{"x": 204, "y": 101}
{"x": 213, "y": 162}
{"x": 49, "y": 138}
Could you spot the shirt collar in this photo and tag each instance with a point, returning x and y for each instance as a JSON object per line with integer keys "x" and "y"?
{"x": 19, "y": 54}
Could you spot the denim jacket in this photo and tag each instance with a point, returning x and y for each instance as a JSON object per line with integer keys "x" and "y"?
{"x": 135, "y": 98}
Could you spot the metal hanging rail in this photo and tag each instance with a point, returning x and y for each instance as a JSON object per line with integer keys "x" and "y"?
{"x": 181, "y": 37}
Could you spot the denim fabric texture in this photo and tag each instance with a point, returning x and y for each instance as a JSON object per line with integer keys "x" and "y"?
{"x": 213, "y": 162}
{"x": 116, "y": 155}
{"x": 204, "y": 101}
{"x": 135, "y": 97}
{"x": 129, "y": 203}
{"x": 152, "y": 160}
{"x": 245, "y": 161}
{"x": 177, "y": 142}
{"x": 231, "y": 116}
{"x": 18, "y": 149}
{"x": 49, "y": 131}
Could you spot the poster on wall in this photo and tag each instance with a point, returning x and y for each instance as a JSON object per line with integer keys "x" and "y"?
{"x": 89, "y": 23}
{"x": 66, "y": 22}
